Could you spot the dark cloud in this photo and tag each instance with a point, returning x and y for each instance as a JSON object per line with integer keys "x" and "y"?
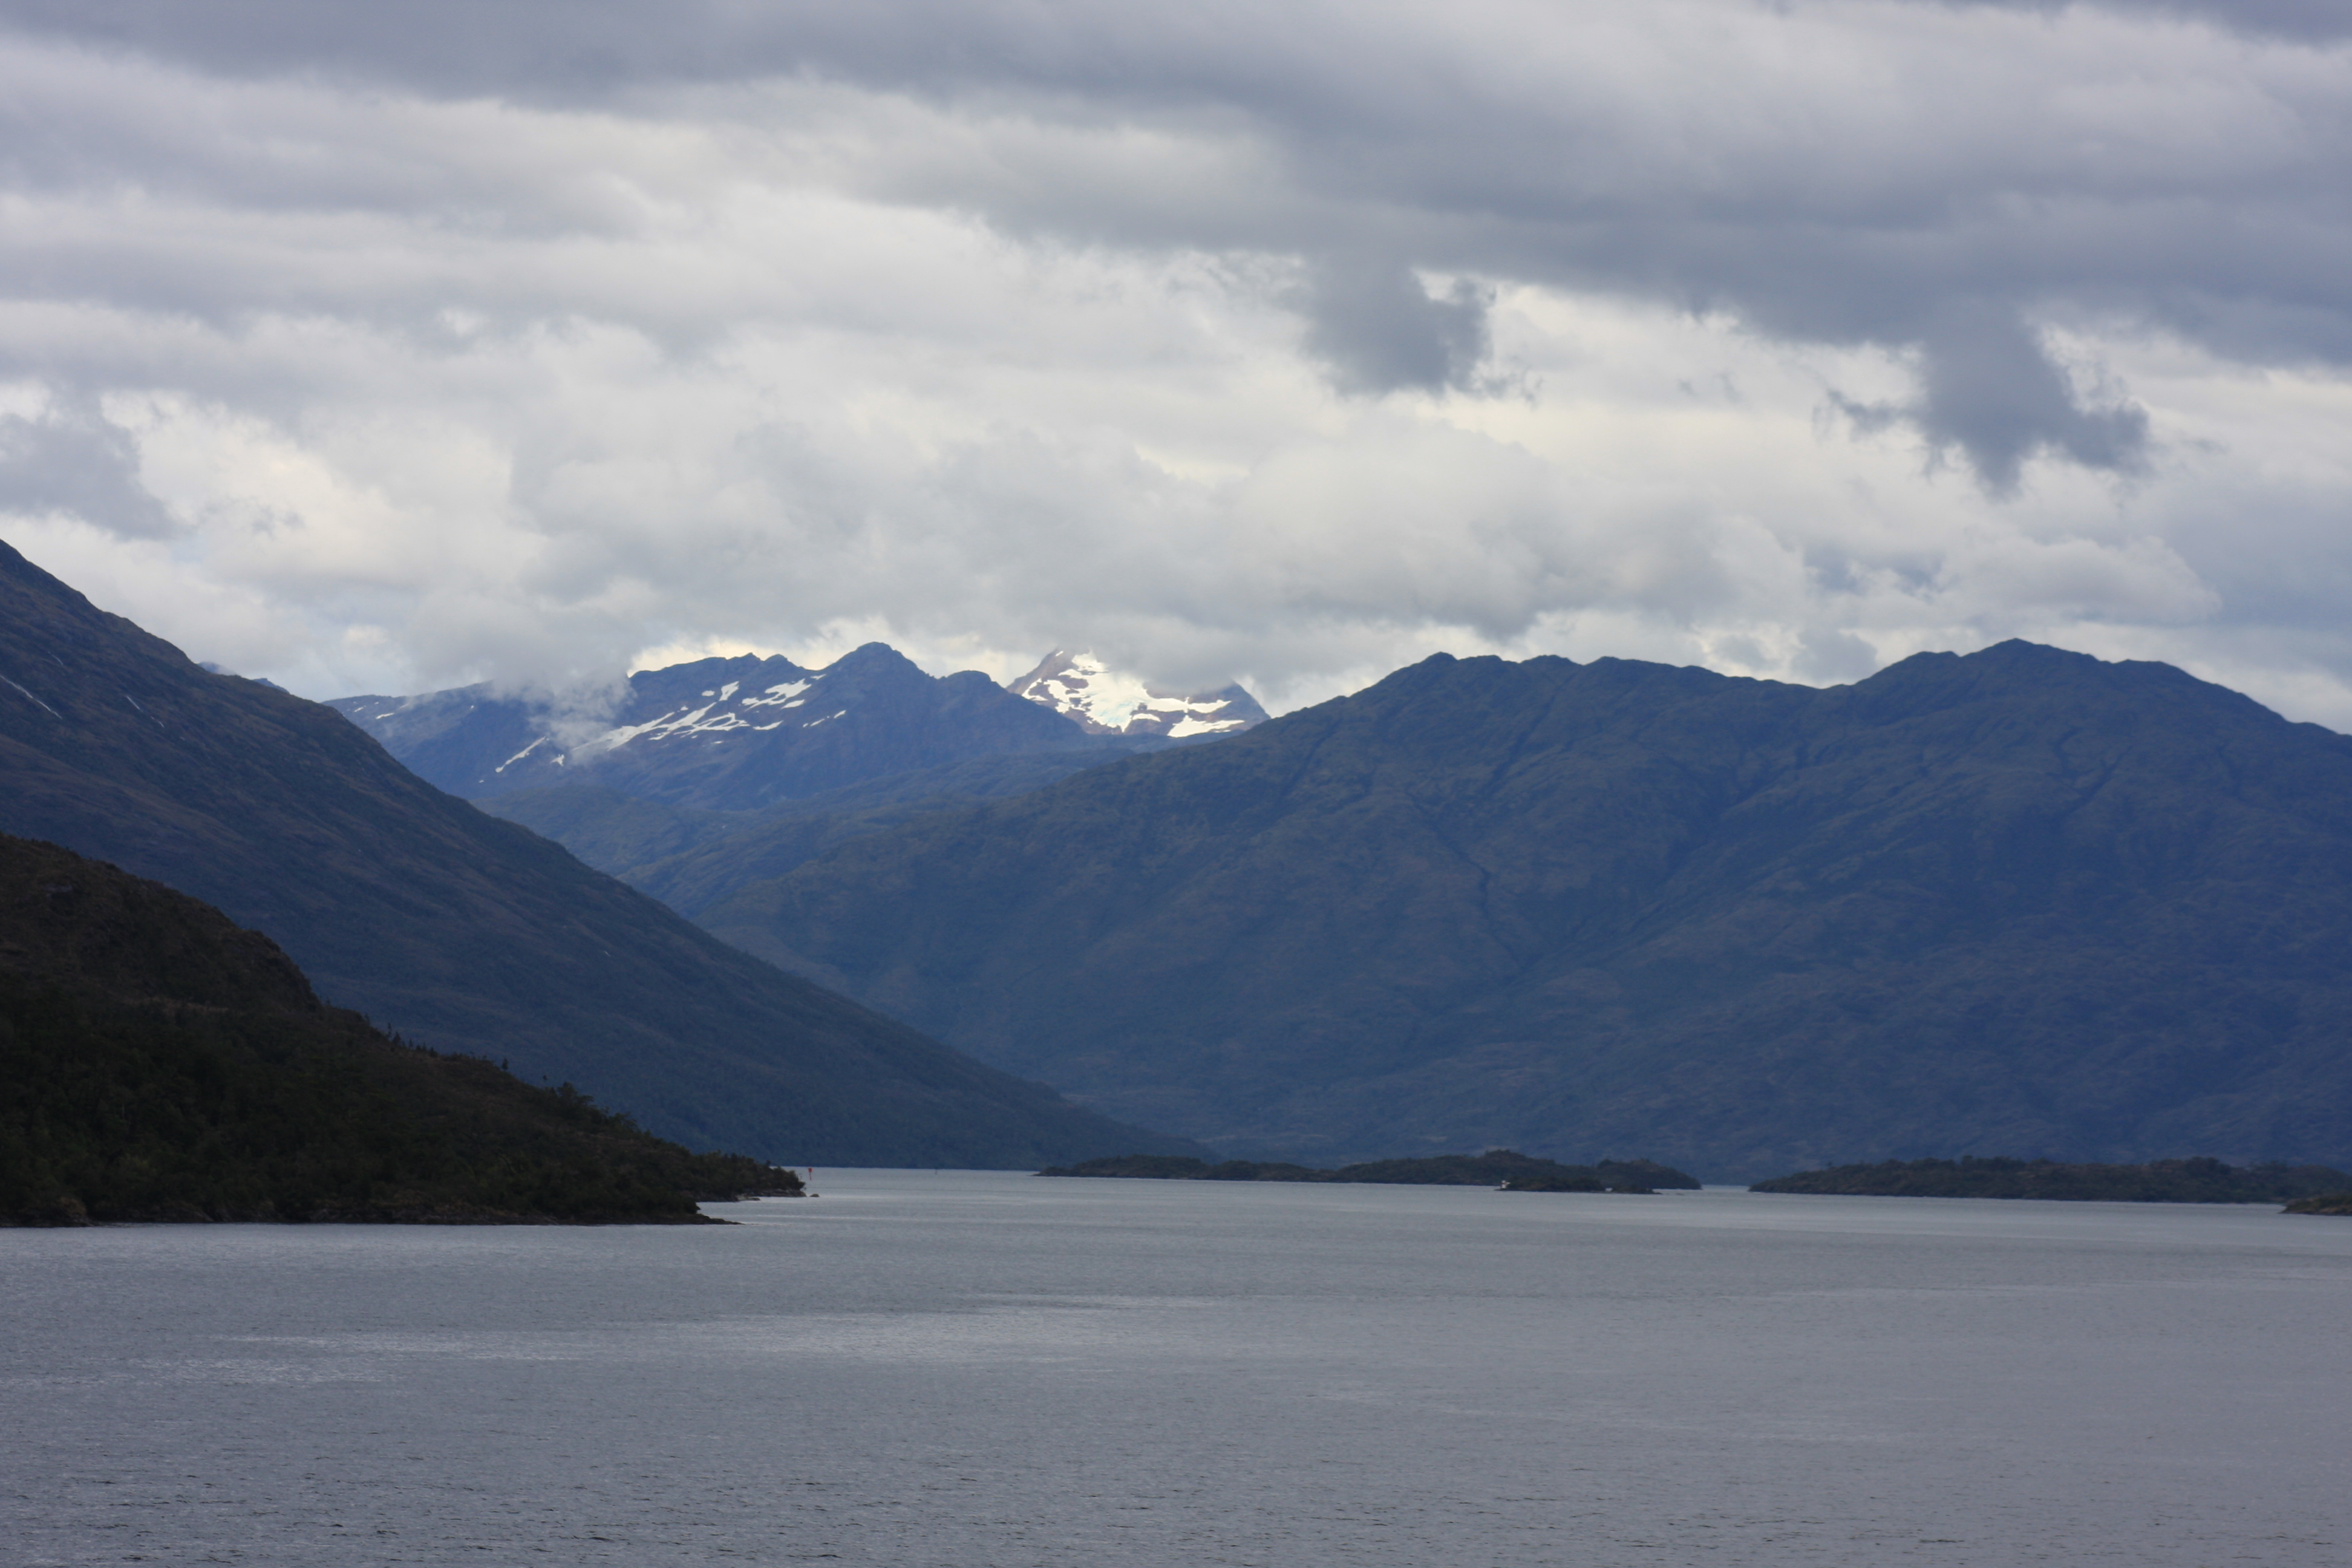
{"x": 446, "y": 46}
{"x": 1380, "y": 330}
{"x": 2318, "y": 20}
{"x": 557, "y": 47}
{"x": 72, "y": 460}
{"x": 1990, "y": 389}
{"x": 569, "y": 329}
{"x": 1967, "y": 180}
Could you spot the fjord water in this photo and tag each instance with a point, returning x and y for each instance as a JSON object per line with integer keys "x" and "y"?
{"x": 972, "y": 1368}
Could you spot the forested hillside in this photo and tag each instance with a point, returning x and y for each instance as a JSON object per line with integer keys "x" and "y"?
{"x": 157, "y": 1062}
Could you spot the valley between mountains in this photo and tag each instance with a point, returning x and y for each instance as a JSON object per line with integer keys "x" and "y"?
{"x": 2018, "y": 902}
{"x": 465, "y": 933}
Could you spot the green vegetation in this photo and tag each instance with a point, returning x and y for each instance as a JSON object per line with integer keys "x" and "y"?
{"x": 120, "y": 1112}
{"x": 158, "y": 1063}
{"x": 1504, "y": 1168}
{"x": 2197, "y": 1181}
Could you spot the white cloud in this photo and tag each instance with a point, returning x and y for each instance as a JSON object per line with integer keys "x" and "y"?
{"x": 1282, "y": 342}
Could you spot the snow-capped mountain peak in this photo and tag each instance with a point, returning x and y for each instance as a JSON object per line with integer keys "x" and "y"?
{"x": 726, "y": 734}
{"x": 1105, "y": 701}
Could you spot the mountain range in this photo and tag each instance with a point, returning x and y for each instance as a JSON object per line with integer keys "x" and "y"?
{"x": 716, "y": 734}
{"x": 2020, "y": 902}
{"x": 464, "y": 932}
{"x": 708, "y": 775}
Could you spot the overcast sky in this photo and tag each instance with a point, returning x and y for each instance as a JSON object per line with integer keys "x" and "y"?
{"x": 384, "y": 348}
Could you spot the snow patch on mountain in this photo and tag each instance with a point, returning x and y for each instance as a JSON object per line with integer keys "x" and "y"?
{"x": 1104, "y": 702}
{"x": 781, "y": 730}
{"x": 520, "y": 755}
{"x": 713, "y": 717}
{"x": 787, "y": 695}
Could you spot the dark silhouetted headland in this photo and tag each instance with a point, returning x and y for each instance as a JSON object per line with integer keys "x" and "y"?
{"x": 2197, "y": 1181}
{"x": 1503, "y": 1168}
{"x": 158, "y": 1062}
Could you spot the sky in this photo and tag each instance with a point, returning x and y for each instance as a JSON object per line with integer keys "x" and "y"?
{"x": 389, "y": 348}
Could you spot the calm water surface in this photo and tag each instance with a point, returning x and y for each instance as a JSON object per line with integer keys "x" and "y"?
{"x": 976, "y": 1368}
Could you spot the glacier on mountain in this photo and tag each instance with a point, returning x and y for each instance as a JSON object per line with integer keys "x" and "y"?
{"x": 1103, "y": 702}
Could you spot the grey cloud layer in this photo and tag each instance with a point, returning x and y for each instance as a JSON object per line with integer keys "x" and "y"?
{"x": 72, "y": 459}
{"x": 1831, "y": 173}
{"x": 711, "y": 316}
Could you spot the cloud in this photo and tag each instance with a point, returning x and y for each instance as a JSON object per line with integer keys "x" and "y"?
{"x": 1988, "y": 388}
{"x": 1283, "y": 341}
{"x": 2315, "y": 20}
{"x": 1378, "y": 330}
{"x": 70, "y": 459}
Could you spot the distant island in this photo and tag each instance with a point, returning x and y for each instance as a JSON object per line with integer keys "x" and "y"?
{"x": 2323, "y": 1202}
{"x": 2197, "y": 1181}
{"x": 158, "y": 1062}
{"x": 1504, "y": 1168}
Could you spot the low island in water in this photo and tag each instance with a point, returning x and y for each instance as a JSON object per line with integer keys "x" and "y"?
{"x": 2323, "y": 1203}
{"x": 1504, "y": 1168}
{"x": 2196, "y": 1181}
